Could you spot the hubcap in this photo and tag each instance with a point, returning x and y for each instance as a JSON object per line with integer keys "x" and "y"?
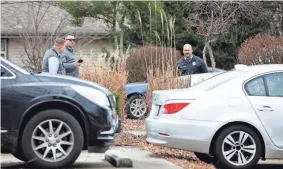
{"x": 239, "y": 148}
{"x": 52, "y": 140}
{"x": 138, "y": 107}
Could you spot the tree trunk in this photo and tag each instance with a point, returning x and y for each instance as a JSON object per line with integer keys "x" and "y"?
{"x": 276, "y": 22}
{"x": 121, "y": 45}
{"x": 116, "y": 45}
{"x": 122, "y": 36}
{"x": 213, "y": 63}
{"x": 204, "y": 53}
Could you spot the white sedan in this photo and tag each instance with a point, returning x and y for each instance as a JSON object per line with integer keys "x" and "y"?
{"x": 235, "y": 117}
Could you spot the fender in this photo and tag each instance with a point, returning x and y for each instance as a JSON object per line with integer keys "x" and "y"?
{"x": 49, "y": 99}
{"x": 138, "y": 88}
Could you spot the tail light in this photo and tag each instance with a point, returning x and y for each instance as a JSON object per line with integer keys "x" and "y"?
{"x": 172, "y": 108}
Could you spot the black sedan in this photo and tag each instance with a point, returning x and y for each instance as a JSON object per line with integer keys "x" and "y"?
{"x": 50, "y": 119}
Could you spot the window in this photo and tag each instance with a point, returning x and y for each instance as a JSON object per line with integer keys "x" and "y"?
{"x": 255, "y": 87}
{"x": 6, "y": 74}
{"x": 217, "y": 80}
{"x": 4, "y": 48}
{"x": 274, "y": 82}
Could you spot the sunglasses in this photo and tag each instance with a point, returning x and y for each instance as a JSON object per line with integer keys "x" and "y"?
{"x": 72, "y": 40}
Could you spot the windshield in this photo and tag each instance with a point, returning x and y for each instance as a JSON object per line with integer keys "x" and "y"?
{"x": 14, "y": 66}
{"x": 217, "y": 80}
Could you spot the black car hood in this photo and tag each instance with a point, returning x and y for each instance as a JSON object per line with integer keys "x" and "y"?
{"x": 70, "y": 81}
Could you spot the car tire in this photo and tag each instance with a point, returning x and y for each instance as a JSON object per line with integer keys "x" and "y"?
{"x": 139, "y": 101}
{"x": 207, "y": 158}
{"x": 237, "y": 141}
{"x": 66, "y": 139}
{"x": 19, "y": 155}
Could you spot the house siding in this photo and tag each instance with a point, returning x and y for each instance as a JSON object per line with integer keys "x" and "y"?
{"x": 89, "y": 51}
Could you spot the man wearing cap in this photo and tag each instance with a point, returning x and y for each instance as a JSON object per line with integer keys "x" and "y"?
{"x": 52, "y": 62}
{"x": 69, "y": 58}
{"x": 189, "y": 63}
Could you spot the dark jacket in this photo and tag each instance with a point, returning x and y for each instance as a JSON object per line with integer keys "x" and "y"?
{"x": 69, "y": 58}
{"x": 189, "y": 66}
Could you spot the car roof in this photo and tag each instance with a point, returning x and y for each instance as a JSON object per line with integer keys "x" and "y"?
{"x": 259, "y": 68}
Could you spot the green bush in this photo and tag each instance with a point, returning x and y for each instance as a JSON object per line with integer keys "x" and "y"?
{"x": 118, "y": 104}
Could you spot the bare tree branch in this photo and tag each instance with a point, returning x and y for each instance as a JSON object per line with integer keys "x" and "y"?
{"x": 35, "y": 36}
{"x": 212, "y": 19}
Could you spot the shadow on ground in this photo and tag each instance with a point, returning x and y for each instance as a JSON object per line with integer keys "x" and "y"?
{"x": 101, "y": 165}
{"x": 265, "y": 166}
{"x": 77, "y": 165}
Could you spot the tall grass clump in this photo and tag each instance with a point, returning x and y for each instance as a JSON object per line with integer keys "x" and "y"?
{"x": 110, "y": 78}
{"x": 160, "y": 62}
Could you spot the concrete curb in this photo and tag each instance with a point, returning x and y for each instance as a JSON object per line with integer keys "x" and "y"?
{"x": 117, "y": 161}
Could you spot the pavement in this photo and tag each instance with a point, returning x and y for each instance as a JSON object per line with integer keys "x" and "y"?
{"x": 141, "y": 160}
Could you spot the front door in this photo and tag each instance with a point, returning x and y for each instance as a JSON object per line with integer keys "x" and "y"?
{"x": 266, "y": 95}
{"x": 7, "y": 93}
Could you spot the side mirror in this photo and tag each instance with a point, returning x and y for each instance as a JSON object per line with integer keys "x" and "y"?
{"x": 2, "y": 72}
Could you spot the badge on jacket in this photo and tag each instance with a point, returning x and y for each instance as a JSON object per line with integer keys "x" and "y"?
{"x": 194, "y": 63}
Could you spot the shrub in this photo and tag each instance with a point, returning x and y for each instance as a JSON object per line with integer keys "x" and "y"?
{"x": 118, "y": 105}
{"x": 163, "y": 78}
{"x": 146, "y": 57}
{"x": 261, "y": 49}
{"x": 111, "y": 79}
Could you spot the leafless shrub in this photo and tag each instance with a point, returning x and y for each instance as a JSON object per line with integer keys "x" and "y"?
{"x": 261, "y": 49}
{"x": 149, "y": 57}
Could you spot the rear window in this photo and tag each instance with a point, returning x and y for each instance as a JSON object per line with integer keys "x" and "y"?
{"x": 217, "y": 80}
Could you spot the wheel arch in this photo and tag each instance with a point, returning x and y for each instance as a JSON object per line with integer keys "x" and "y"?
{"x": 212, "y": 147}
{"x": 135, "y": 93}
{"x": 61, "y": 105}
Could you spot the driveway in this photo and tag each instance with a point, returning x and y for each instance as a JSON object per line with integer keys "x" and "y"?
{"x": 141, "y": 160}
{"x": 85, "y": 160}
{"x": 270, "y": 164}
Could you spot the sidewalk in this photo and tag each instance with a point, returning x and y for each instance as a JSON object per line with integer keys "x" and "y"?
{"x": 142, "y": 159}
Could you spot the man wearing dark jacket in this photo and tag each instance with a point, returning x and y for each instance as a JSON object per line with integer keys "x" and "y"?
{"x": 69, "y": 58}
{"x": 189, "y": 63}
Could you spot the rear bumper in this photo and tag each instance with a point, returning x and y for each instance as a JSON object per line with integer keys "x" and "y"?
{"x": 191, "y": 135}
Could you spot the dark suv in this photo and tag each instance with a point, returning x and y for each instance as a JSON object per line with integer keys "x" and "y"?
{"x": 50, "y": 119}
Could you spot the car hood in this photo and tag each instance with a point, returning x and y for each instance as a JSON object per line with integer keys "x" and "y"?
{"x": 137, "y": 84}
{"x": 68, "y": 80}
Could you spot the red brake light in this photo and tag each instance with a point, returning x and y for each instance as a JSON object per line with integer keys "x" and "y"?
{"x": 172, "y": 108}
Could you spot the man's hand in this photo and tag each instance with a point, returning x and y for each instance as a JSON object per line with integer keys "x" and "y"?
{"x": 76, "y": 64}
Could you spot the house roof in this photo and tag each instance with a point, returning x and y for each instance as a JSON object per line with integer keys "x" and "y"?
{"x": 21, "y": 18}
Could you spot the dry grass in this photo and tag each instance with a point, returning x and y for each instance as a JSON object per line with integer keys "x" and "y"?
{"x": 144, "y": 57}
{"x": 111, "y": 79}
{"x": 133, "y": 125}
{"x": 163, "y": 79}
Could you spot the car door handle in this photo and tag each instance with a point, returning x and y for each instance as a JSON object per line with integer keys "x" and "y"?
{"x": 266, "y": 108}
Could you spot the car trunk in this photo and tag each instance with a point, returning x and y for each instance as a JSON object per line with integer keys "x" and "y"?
{"x": 159, "y": 98}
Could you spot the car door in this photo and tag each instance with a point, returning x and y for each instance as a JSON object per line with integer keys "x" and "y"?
{"x": 7, "y": 93}
{"x": 266, "y": 96}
